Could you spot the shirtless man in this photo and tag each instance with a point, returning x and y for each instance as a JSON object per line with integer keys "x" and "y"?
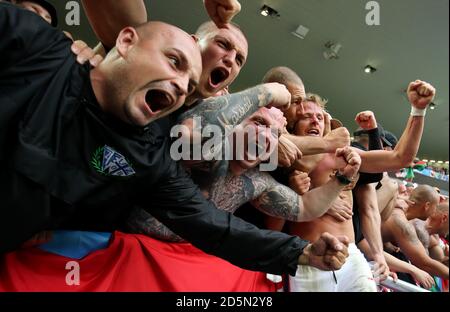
{"x": 311, "y": 122}
{"x": 244, "y": 183}
{"x": 387, "y": 201}
{"x": 430, "y": 231}
{"x": 397, "y": 230}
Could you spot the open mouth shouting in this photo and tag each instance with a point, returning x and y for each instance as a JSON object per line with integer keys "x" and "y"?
{"x": 158, "y": 100}
{"x": 218, "y": 76}
{"x": 313, "y": 132}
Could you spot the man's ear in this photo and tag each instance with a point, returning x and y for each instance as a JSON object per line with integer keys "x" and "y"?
{"x": 196, "y": 39}
{"x": 127, "y": 38}
{"x": 444, "y": 218}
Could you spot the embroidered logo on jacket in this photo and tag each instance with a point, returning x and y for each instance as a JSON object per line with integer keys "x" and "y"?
{"x": 111, "y": 163}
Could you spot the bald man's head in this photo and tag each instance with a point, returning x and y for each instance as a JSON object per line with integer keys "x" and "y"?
{"x": 283, "y": 75}
{"x": 425, "y": 200}
{"x": 295, "y": 86}
{"x": 149, "y": 73}
{"x": 438, "y": 222}
{"x": 424, "y": 193}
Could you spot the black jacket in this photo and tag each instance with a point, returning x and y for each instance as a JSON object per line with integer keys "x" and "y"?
{"x": 66, "y": 164}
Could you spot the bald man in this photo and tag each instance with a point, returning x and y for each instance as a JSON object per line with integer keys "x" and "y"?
{"x": 99, "y": 152}
{"x": 424, "y": 200}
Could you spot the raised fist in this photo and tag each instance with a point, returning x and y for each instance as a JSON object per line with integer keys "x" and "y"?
{"x": 337, "y": 138}
{"x": 366, "y": 120}
{"x": 222, "y": 12}
{"x": 420, "y": 94}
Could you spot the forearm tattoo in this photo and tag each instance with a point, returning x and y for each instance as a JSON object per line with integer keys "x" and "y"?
{"x": 279, "y": 201}
{"x": 231, "y": 109}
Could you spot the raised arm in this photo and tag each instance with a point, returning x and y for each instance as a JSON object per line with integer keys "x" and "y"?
{"x": 222, "y": 12}
{"x": 109, "y": 17}
{"x": 420, "y": 95}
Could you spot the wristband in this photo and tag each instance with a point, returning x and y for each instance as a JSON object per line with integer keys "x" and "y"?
{"x": 418, "y": 111}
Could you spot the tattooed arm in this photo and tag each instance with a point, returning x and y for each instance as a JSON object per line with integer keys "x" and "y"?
{"x": 142, "y": 222}
{"x": 232, "y": 109}
{"x": 406, "y": 238}
{"x": 282, "y": 202}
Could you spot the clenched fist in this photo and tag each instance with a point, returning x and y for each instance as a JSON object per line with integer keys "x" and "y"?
{"x": 327, "y": 253}
{"x": 288, "y": 152}
{"x": 299, "y": 182}
{"x": 420, "y": 94}
{"x": 352, "y": 162}
{"x": 337, "y": 138}
{"x": 366, "y": 120}
{"x": 222, "y": 12}
{"x": 279, "y": 95}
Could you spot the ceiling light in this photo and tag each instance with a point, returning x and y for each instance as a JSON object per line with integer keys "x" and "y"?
{"x": 432, "y": 161}
{"x": 331, "y": 53}
{"x": 440, "y": 162}
{"x": 300, "y": 32}
{"x": 268, "y": 11}
{"x": 369, "y": 69}
{"x": 425, "y": 160}
{"x": 432, "y": 105}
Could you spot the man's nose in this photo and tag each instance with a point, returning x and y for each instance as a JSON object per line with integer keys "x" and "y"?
{"x": 180, "y": 86}
{"x": 314, "y": 120}
{"x": 229, "y": 58}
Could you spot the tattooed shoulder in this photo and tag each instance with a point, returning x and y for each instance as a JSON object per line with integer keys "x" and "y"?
{"x": 407, "y": 230}
{"x": 421, "y": 232}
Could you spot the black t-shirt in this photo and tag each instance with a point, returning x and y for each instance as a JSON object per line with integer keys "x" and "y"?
{"x": 68, "y": 164}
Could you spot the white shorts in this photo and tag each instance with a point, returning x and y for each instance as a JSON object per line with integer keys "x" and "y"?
{"x": 354, "y": 276}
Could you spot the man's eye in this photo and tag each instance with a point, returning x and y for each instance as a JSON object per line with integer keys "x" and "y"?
{"x": 175, "y": 61}
{"x": 191, "y": 88}
{"x": 239, "y": 61}
{"x": 222, "y": 44}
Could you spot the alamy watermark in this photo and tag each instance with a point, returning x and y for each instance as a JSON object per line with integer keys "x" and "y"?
{"x": 73, "y": 276}
{"x": 73, "y": 16}
{"x": 373, "y": 16}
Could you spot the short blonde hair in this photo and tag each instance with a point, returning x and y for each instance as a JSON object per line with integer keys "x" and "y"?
{"x": 317, "y": 99}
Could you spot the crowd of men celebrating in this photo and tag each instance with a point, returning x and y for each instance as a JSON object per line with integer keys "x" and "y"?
{"x": 88, "y": 142}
